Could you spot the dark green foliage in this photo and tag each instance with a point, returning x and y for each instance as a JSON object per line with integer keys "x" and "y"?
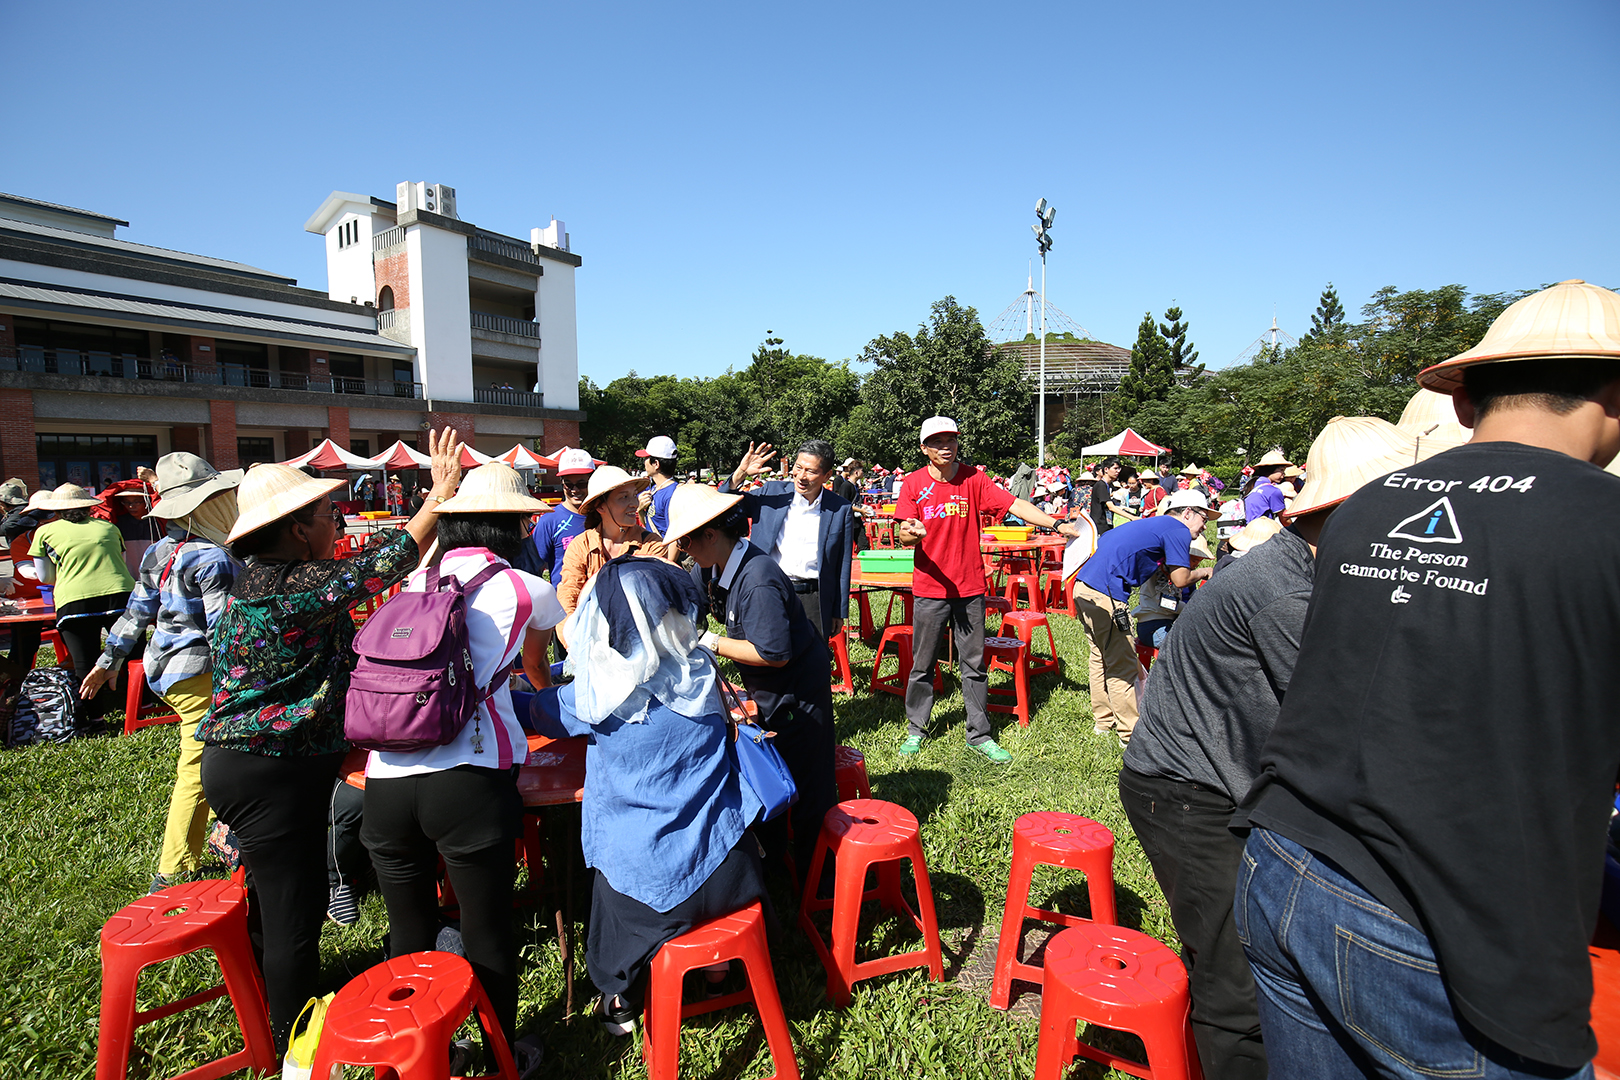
{"x": 1152, "y": 373}
{"x": 1182, "y": 354}
{"x": 1329, "y": 313}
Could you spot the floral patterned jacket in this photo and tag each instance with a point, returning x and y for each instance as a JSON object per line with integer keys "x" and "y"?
{"x": 283, "y": 649}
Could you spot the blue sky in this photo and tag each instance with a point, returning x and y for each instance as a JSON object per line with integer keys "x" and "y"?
{"x": 827, "y": 171}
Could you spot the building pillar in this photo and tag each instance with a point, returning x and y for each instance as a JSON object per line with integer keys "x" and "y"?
{"x": 19, "y": 452}
{"x": 201, "y": 356}
{"x": 558, "y": 434}
{"x": 337, "y": 425}
{"x": 222, "y": 434}
{"x": 296, "y": 442}
{"x": 8, "y": 347}
{"x": 185, "y": 438}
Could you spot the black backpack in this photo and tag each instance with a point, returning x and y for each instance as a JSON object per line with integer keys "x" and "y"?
{"x": 47, "y": 709}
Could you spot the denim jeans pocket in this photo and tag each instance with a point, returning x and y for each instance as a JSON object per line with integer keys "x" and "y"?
{"x": 1240, "y": 899}
{"x": 1395, "y": 1002}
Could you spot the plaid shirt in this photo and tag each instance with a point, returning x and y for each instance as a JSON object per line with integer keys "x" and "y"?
{"x": 184, "y": 606}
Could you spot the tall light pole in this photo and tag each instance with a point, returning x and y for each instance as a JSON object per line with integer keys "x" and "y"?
{"x": 1043, "y": 240}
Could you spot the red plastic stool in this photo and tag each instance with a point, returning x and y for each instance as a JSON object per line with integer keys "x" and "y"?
{"x": 738, "y": 936}
{"x": 402, "y": 1014}
{"x": 1050, "y": 838}
{"x": 53, "y": 638}
{"x": 896, "y": 683}
{"x": 998, "y": 604}
{"x": 1032, "y": 586}
{"x": 905, "y": 610}
{"x": 135, "y": 716}
{"x": 1009, "y": 655}
{"x": 209, "y": 914}
{"x": 843, "y": 675}
{"x": 1120, "y": 979}
{"x": 1059, "y": 596}
{"x": 1021, "y": 625}
{"x": 864, "y": 834}
{"x": 849, "y": 767}
{"x": 1146, "y": 654}
{"x": 863, "y": 601}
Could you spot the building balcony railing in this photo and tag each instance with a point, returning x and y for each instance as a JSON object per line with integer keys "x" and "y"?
{"x": 388, "y": 238}
{"x": 125, "y": 366}
{"x": 504, "y": 324}
{"x": 521, "y": 398}
{"x": 478, "y": 244}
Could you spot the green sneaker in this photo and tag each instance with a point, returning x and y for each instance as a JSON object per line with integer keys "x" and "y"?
{"x": 992, "y": 752}
{"x": 912, "y": 744}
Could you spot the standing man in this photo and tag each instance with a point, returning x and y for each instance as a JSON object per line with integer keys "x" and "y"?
{"x": 1265, "y": 499}
{"x": 1125, "y": 558}
{"x": 543, "y": 555}
{"x": 939, "y": 510}
{"x": 1428, "y": 827}
{"x": 807, "y": 529}
{"x": 1211, "y": 700}
{"x": 1102, "y": 493}
{"x": 659, "y": 463}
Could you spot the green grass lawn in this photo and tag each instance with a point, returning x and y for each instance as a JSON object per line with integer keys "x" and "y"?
{"x": 82, "y": 824}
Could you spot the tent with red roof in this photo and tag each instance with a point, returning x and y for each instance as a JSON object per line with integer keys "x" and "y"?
{"x": 1127, "y": 443}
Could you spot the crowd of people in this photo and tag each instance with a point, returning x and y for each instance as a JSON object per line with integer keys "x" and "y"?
{"x": 1372, "y": 763}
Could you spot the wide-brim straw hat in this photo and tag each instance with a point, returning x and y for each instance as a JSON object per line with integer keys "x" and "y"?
{"x": 608, "y": 477}
{"x": 66, "y": 497}
{"x": 492, "y": 488}
{"x": 1350, "y": 452}
{"x": 1570, "y": 320}
{"x": 1190, "y": 470}
{"x": 14, "y": 492}
{"x": 1431, "y": 418}
{"x": 270, "y": 491}
{"x": 694, "y": 506}
{"x": 185, "y": 481}
{"x": 1273, "y": 457}
{"x": 1256, "y": 532}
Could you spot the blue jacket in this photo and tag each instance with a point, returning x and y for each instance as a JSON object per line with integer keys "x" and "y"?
{"x": 767, "y": 508}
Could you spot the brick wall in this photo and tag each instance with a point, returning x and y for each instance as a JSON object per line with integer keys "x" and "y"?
{"x": 394, "y": 272}
{"x": 296, "y": 442}
{"x": 222, "y": 434}
{"x": 203, "y": 361}
{"x": 19, "y": 455}
{"x": 560, "y": 433}
{"x": 337, "y": 425}
{"x": 185, "y": 438}
{"x": 8, "y": 345}
{"x": 462, "y": 422}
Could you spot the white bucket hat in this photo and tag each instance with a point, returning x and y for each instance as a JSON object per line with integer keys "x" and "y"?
{"x": 66, "y": 497}
{"x": 185, "y": 481}
{"x": 493, "y": 488}
{"x": 694, "y": 506}
{"x": 271, "y": 491}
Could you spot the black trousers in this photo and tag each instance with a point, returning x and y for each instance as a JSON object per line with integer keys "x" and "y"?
{"x": 346, "y": 858}
{"x": 471, "y": 816}
{"x": 806, "y": 744}
{"x": 277, "y": 807}
{"x": 1195, "y": 857}
{"x": 81, "y": 623}
{"x": 811, "y": 602}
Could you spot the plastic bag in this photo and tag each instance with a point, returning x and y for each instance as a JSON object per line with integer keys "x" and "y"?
{"x": 300, "y": 1057}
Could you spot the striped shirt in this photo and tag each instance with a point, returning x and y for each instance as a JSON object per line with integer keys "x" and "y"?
{"x": 184, "y": 604}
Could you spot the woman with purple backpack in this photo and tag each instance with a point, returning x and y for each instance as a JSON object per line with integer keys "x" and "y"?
{"x": 273, "y": 740}
{"x": 459, "y": 800}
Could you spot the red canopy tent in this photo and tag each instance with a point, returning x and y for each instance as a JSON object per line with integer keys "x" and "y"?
{"x": 400, "y": 456}
{"x": 1128, "y": 443}
{"x": 329, "y": 455}
{"x": 521, "y": 457}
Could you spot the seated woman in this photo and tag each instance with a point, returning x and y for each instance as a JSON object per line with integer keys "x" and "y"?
{"x": 664, "y": 813}
{"x": 460, "y": 801}
{"x": 283, "y": 651}
{"x": 611, "y": 529}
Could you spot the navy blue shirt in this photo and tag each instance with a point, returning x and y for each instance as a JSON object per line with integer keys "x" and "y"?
{"x": 1129, "y": 554}
{"x": 761, "y": 609}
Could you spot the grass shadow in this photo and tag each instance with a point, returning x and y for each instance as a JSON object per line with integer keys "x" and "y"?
{"x": 922, "y": 791}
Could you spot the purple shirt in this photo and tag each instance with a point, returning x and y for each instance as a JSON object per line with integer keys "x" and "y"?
{"x": 1265, "y": 500}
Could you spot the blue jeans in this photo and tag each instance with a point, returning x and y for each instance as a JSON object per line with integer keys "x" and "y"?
{"x": 1346, "y": 987}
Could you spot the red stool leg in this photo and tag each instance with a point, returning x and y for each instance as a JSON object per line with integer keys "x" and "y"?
{"x": 1012, "y": 922}
{"x": 844, "y": 676}
{"x": 1059, "y": 1040}
{"x": 925, "y": 913}
{"x": 848, "y": 890}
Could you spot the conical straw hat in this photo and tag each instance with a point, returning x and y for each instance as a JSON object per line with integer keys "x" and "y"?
{"x": 1350, "y": 451}
{"x": 1431, "y": 418}
{"x": 495, "y": 488}
{"x": 607, "y": 478}
{"x": 694, "y": 506}
{"x": 1570, "y": 319}
{"x": 1256, "y": 532}
{"x": 1273, "y": 456}
{"x": 270, "y": 491}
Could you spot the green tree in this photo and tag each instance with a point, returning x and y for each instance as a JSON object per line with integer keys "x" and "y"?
{"x": 1329, "y": 315}
{"x": 946, "y": 368}
{"x": 1406, "y": 332}
{"x": 1181, "y": 353}
{"x": 1151, "y": 377}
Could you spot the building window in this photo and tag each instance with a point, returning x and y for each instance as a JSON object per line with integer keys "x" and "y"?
{"x": 362, "y": 447}
{"x": 385, "y": 299}
{"x": 252, "y": 451}
{"x": 92, "y": 461}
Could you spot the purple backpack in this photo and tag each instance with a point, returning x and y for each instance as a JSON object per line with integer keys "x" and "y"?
{"x": 413, "y": 688}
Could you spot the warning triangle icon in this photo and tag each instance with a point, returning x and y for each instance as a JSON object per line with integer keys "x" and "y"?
{"x": 1434, "y": 524}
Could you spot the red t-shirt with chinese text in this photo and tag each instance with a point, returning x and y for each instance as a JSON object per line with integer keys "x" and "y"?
{"x": 948, "y": 561}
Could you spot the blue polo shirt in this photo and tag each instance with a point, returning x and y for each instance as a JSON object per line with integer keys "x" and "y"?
{"x": 1265, "y": 499}
{"x": 1129, "y": 554}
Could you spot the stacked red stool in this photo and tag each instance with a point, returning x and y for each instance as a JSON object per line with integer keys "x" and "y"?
{"x": 1116, "y": 978}
{"x": 1022, "y": 625}
{"x": 1052, "y": 839}
{"x": 849, "y": 770}
{"x": 402, "y": 1015}
{"x": 738, "y": 936}
{"x": 210, "y": 914}
{"x": 863, "y": 834}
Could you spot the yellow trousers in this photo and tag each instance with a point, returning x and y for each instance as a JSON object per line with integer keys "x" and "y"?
{"x": 187, "y": 826}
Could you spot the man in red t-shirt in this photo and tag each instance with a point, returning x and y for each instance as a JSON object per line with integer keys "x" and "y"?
{"x": 938, "y": 511}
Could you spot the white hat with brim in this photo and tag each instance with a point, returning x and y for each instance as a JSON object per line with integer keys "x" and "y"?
{"x": 937, "y": 425}
{"x": 66, "y": 497}
{"x": 1188, "y": 500}
{"x": 14, "y": 492}
{"x": 572, "y": 462}
{"x": 1256, "y": 532}
{"x": 185, "y": 481}
{"x": 661, "y": 447}
{"x": 607, "y": 478}
{"x": 493, "y": 488}
{"x": 1570, "y": 320}
{"x": 694, "y": 506}
{"x": 270, "y": 492}
{"x": 1350, "y": 452}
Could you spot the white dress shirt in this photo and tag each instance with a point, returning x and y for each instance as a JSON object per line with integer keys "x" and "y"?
{"x": 798, "y": 548}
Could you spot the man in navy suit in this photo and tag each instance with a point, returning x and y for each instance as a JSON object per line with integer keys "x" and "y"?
{"x": 807, "y": 529}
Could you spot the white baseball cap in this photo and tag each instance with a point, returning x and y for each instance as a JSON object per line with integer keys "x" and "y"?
{"x": 1182, "y": 500}
{"x": 659, "y": 446}
{"x": 936, "y": 425}
{"x": 573, "y": 462}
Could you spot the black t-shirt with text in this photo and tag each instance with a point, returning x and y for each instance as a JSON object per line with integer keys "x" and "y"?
{"x": 1450, "y": 735}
